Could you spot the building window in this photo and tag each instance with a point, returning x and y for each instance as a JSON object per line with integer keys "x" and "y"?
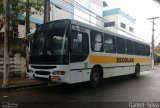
{"x": 131, "y": 29}
{"x": 105, "y": 4}
{"x": 109, "y": 24}
{"x": 123, "y": 25}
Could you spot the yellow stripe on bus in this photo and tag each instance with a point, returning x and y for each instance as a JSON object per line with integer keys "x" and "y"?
{"x": 102, "y": 59}
{"x": 94, "y": 59}
{"x": 142, "y": 60}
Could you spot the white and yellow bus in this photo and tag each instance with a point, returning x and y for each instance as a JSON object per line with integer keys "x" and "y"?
{"x": 69, "y": 51}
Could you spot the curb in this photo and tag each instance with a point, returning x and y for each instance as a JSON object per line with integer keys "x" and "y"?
{"x": 22, "y": 86}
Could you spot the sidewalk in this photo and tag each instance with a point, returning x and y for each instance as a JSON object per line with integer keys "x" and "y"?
{"x": 15, "y": 83}
{"x": 157, "y": 67}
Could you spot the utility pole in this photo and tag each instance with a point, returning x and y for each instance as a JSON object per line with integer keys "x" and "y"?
{"x": 153, "y": 24}
{"x": 46, "y": 11}
{"x": 6, "y": 37}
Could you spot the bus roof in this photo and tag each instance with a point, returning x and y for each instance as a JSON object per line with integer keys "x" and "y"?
{"x": 87, "y": 26}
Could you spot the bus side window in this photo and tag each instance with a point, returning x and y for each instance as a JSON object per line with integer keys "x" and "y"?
{"x": 146, "y": 50}
{"x": 129, "y": 47}
{"x": 147, "y": 47}
{"x": 96, "y": 41}
{"x": 120, "y": 45}
{"x": 142, "y": 49}
{"x": 136, "y": 48}
{"x": 109, "y": 43}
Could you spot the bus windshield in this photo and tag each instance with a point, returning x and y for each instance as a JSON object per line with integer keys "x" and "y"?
{"x": 50, "y": 43}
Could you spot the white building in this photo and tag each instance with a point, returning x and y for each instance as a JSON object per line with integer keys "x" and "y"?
{"x": 119, "y": 22}
{"x": 87, "y": 11}
{"x": 61, "y": 9}
{"x": 90, "y": 11}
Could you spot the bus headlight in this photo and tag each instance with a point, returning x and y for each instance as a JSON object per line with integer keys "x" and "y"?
{"x": 58, "y": 73}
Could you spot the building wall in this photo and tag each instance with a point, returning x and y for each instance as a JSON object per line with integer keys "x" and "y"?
{"x": 61, "y": 9}
{"x": 119, "y": 17}
{"x": 113, "y": 18}
{"x": 92, "y": 13}
{"x": 128, "y": 23}
{"x": 59, "y": 13}
{"x": 16, "y": 66}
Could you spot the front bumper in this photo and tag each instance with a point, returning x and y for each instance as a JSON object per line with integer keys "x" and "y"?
{"x": 49, "y": 78}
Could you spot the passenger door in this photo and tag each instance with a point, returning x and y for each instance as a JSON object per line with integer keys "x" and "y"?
{"x": 79, "y": 50}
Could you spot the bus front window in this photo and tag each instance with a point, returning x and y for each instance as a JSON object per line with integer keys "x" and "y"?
{"x": 50, "y": 43}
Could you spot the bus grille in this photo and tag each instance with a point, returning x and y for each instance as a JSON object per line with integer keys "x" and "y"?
{"x": 43, "y": 67}
{"x": 42, "y": 72}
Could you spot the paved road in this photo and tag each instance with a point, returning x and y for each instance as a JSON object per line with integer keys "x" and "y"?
{"x": 118, "y": 89}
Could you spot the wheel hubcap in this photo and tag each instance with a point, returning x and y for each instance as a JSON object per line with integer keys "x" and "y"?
{"x": 95, "y": 78}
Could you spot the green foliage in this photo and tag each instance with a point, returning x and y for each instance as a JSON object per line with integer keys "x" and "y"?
{"x": 2, "y": 8}
{"x": 157, "y": 51}
{"x": 18, "y": 7}
{"x": 157, "y": 60}
{"x": 35, "y": 5}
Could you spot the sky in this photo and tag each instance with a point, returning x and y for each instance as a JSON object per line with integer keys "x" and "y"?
{"x": 140, "y": 10}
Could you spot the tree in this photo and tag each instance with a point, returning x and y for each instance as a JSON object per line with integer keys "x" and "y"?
{"x": 1, "y": 22}
{"x": 1, "y": 7}
{"x": 19, "y": 8}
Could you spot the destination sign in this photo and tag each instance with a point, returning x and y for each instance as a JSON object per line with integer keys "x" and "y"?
{"x": 125, "y": 60}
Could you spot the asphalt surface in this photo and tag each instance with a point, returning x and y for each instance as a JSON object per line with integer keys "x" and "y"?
{"x": 120, "y": 90}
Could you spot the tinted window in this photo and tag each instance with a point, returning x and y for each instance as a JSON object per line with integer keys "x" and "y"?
{"x": 120, "y": 45}
{"x": 147, "y": 47}
{"x": 50, "y": 43}
{"x": 79, "y": 46}
{"x": 109, "y": 43}
{"x": 136, "y": 48}
{"x": 142, "y": 49}
{"x": 96, "y": 41}
{"x": 146, "y": 51}
{"x": 129, "y": 47}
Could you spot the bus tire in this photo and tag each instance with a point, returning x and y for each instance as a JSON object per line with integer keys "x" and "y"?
{"x": 95, "y": 77}
{"x": 137, "y": 71}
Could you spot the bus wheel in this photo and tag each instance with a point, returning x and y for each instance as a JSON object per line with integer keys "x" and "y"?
{"x": 95, "y": 77}
{"x": 137, "y": 71}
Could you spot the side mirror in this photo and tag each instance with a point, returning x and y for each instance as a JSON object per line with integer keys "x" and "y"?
{"x": 30, "y": 36}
